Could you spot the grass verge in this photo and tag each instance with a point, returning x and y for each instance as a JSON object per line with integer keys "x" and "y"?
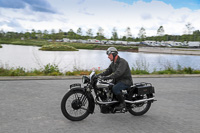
{"x": 52, "y": 70}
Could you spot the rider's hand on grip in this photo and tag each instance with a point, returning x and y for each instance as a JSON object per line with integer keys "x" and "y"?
{"x": 97, "y": 76}
{"x": 105, "y": 78}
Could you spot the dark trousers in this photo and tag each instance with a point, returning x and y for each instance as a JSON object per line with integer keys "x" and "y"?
{"x": 118, "y": 87}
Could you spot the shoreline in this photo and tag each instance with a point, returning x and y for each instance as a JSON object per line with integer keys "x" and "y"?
{"x": 155, "y": 50}
{"x": 179, "y": 51}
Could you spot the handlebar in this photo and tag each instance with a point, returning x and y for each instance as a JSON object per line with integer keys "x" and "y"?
{"x": 104, "y": 81}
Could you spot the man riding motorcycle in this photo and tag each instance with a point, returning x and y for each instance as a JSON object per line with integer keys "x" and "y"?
{"x": 120, "y": 72}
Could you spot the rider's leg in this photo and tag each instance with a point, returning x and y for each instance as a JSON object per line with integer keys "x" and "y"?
{"x": 117, "y": 91}
{"x": 121, "y": 100}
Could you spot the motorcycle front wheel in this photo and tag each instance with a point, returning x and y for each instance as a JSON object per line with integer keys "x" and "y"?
{"x": 139, "y": 109}
{"x": 75, "y": 105}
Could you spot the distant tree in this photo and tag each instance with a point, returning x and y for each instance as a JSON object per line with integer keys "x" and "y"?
{"x": 27, "y": 35}
{"x": 39, "y": 34}
{"x": 100, "y": 34}
{"x": 142, "y": 33}
{"x": 71, "y": 34}
{"x": 9, "y": 35}
{"x": 79, "y": 31}
{"x": 53, "y": 34}
{"x": 33, "y": 34}
{"x": 21, "y": 35}
{"x": 53, "y": 31}
{"x": 114, "y": 34}
{"x": 2, "y": 33}
{"x": 123, "y": 38}
{"x": 45, "y": 34}
{"x": 160, "y": 31}
{"x": 196, "y": 32}
{"x": 196, "y": 35}
{"x": 60, "y": 34}
{"x": 189, "y": 28}
{"x": 128, "y": 33}
{"x": 89, "y": 33}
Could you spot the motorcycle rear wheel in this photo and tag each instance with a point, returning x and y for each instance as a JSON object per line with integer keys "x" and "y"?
{"x": 75, "y": 105}
{"x": 139, "y": 109}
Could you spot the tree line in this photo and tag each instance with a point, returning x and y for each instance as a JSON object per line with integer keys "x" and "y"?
{"x": 189, "y": 35}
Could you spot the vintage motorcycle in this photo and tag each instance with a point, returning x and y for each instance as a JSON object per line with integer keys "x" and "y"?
{"x": 79, "y": 102}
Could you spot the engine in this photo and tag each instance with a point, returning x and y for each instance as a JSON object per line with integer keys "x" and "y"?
{"x": 104, "y": 91}
{"x": 105, "y": 94}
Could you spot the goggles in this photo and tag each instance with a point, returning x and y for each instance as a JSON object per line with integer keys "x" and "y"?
{"x": 108, "y": 52}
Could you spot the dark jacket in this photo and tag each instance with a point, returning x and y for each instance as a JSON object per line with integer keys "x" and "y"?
{"x": 119, "y": 71}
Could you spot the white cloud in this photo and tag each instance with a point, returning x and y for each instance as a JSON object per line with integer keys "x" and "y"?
{"x": 72, "y": 14}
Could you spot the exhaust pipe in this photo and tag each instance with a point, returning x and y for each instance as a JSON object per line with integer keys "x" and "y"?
{"x": 140, "y": 101}
{"x": 127, "y": 101}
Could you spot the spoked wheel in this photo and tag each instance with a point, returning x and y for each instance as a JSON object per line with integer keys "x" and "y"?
{"x": 139, "y": 108}
{"x": 75, "y": 105}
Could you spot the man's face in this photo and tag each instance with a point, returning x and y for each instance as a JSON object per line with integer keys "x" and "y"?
{"x": 110, "y": 56}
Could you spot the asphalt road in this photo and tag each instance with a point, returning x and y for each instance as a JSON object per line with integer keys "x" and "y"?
{"x": 33, "y": 106}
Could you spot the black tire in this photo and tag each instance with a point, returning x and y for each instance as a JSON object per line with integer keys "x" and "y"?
{"x": 73, "y": 105}
{"x": 141, "y": 107}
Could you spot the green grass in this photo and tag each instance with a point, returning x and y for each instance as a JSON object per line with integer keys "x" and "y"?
{"x": 139, "y": 72}
{"x": 0, "y": 46}
{"x": 57, "y": 47}
{"x": 48, "y": 70}
{"x": 25, "y": 42}
{"x": 185, "y": 70}
{"x": 81, "y": 45}
{"x": 102, "y": 47}
{"x": 53, "y": 70}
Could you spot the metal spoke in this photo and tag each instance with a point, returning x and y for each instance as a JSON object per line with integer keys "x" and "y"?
{"x": 83, "y": 108}
{"x": 83, "y": 101}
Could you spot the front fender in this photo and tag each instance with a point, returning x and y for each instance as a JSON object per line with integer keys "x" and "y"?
{"x": 89, "y": 95}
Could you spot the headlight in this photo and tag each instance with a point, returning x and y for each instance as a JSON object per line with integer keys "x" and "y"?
{"x": 85, "y": 79}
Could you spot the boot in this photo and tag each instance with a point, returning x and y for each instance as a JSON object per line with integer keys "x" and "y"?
{"x": 122, "y": 104}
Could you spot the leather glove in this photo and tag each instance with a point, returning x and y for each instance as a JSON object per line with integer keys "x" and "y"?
{"x": 97, "y": 76}
{"x": 105, "y": 78}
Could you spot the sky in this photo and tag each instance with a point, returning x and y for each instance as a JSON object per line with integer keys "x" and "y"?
{"x": 173, "y": 15}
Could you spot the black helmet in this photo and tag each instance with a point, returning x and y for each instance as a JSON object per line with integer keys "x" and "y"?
{"x": 112, "y": 50}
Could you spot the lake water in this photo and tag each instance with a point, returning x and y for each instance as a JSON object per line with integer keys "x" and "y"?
{"x": 31, "y": 57}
